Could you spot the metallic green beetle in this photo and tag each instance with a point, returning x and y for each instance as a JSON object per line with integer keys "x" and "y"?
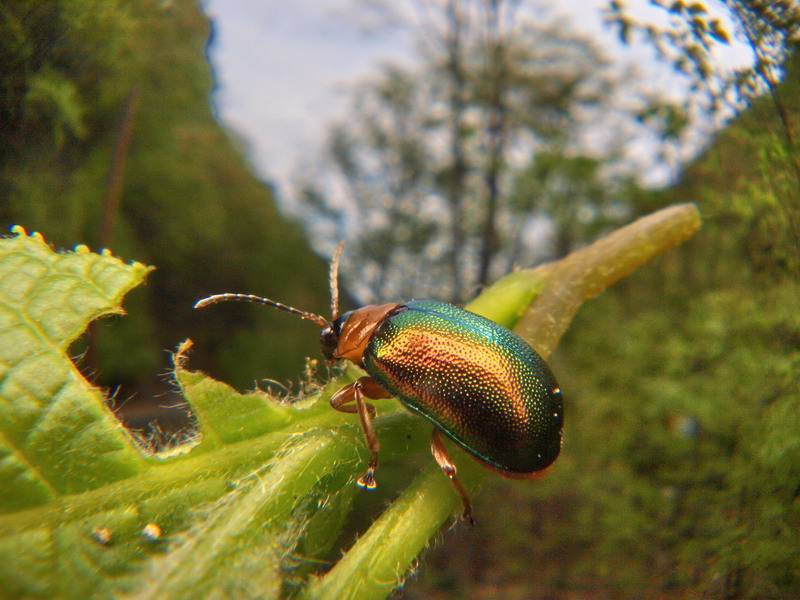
{"x": 476, "y": 381}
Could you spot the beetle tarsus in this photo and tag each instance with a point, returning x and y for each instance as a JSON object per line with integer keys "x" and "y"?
{"x": 368, "y": 480}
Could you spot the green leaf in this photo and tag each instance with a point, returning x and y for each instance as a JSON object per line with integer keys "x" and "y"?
{"x": 56, "y": 434}
{"x": 253, "y": 501}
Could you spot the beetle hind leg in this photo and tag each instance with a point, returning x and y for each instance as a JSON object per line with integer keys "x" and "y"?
{"x": 442, "y": 457}
{"x": 356, "y": 392}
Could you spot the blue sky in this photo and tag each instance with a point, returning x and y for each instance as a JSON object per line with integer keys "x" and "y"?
{"x": 283, "y": 68}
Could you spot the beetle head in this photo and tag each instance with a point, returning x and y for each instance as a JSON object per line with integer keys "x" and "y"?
{"x": 329, "y": 337}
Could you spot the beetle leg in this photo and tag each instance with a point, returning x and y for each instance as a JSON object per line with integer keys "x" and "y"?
{"x": 355, "y": 392}
{"x": 444, "y": 461}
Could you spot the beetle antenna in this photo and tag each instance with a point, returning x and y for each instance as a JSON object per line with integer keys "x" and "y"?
{"x": 334, "y": 280}
{"x": 319, "y": 320}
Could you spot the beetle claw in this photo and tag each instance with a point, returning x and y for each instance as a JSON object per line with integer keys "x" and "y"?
{"x": 368, "y": 480}
{"x": 467, "y": 516}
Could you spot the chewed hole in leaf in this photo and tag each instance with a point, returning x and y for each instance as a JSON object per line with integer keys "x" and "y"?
{"x": 154, "y": 412}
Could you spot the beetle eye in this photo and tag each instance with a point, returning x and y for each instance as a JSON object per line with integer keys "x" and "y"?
{"x": 329, "y": 338}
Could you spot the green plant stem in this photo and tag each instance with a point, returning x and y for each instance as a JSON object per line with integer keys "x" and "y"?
{"x": 587, "y": 272}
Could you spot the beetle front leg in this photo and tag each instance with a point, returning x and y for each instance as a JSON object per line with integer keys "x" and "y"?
{"x": 444, "y": 461}
{"x": 355, "y": 392}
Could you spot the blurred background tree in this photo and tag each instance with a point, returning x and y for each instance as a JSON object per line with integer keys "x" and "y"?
{"x": 423, "y": 177}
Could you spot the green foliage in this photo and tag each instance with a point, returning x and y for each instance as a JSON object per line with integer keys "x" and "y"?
{"x": 51, "y": 96}
{"x": 250, "y": 501}
{"x": 690, "y": 33}
{"x": 691, "y": 36}
{"x": 58, "y": 437}
{"x": 749, "y": 181}
{"x": 701, "y": 470}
